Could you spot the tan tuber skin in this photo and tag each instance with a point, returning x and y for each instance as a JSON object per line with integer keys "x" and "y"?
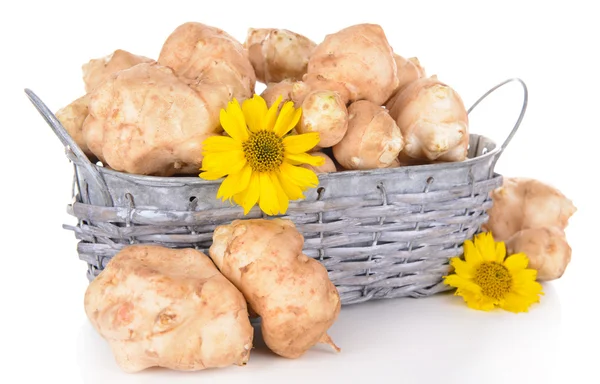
{"x": 524, "y": 203}
{"x": 547, "y": 250}
{"x": 328, "y": 167}
{"x": 97, "y": 71}
{"x": 409, "y": 70}
{"x": 373, "y": 139}
{"x": 205, "y": 54}
{"x": 289, "y": 90}
{"x": 147, "y": 121}
{"x": 290, "y": 291}
{"x": 324, "y": 112}
{"x": 278, "y": 54}
{"x": 169, "y": 308}
{"x": 357, "y": 62}
{"x": 72, "y": 117}
{"x": 531, "y": 217}
{"x": 433, "y": 121}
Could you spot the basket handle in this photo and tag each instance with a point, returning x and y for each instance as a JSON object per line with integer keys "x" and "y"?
{"x": 521, "y": 115}
{"x": 70, "y": 145}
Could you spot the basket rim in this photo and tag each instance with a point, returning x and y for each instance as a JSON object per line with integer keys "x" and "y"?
{"x": 175, "y": 180}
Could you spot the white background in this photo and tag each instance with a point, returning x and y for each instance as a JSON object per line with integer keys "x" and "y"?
{"x": 470, "y": 45}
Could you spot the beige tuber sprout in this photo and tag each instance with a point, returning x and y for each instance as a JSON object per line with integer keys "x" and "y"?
{"x": 145, "y": 120}
{"x": 205, "y": 54}
{"x": 161, "y": 307}
{"x": 278, "y": 54}
{"x": 373, "y": 139}
{"x": 433, "y": 121}
{"x": 98, "y": 70}
{"x": 290, "y": 291}
{"x": 324, "y": 112}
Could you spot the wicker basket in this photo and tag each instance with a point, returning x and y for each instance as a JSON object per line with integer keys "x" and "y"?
{"x": 381, "y": 233}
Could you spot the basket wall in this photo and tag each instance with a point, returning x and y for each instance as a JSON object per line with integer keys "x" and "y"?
{"x": 380, "y": 234}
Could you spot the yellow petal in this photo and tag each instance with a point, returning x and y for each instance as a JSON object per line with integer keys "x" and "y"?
{"x": 304, "y": 158}
{"x": 268, "y": 201}
{"x": 302, "y": 177}
{"x": 457, "y": 281}
{"x": 228, "y": 162}
{"x": 212, "y": 175}
{"x": 462, "y": 268}
{"x": 271, "y": 117}
{"x": 472, "y": 255}
{"x": 255, "y": 110}
{"x": 233, "y": 122}
{"x": 479, "y": 302}
{"x": 235, "y": 183}
{"x": 516, "y": 263}
{"x": 283, "y": 199}
{"x": 220, "y": 144}
{"x": 293, "y": 191}
{"x": 248, "y": 198}
{"x": 484, "y": 242}
{"x": 500, "y": 252}
{"x": 287, "y": 119}
{"x": 301, "y": 143}
{"x": 515, "y": 303}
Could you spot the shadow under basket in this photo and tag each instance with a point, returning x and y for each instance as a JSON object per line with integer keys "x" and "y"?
{"x": 382, "y": 233}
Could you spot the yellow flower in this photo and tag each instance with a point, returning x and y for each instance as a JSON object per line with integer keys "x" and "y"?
{"x": 485, "y": 279}
{"x": 259, "y": 158}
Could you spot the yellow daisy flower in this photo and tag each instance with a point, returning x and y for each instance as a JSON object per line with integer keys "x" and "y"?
{"x": 259, "y": 158}
{"x": 486, "y": 278}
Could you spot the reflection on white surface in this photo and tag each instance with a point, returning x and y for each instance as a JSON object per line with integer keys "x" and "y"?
{"x": 401, "y": 341}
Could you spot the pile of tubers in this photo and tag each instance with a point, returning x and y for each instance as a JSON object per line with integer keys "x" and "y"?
{"x": 372, "y": 107}
{"x": 184, "y": 310}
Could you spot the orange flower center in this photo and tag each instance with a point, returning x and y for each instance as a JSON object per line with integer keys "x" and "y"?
{"x": 494, "y": 279}
{"x": 263, "y": 151}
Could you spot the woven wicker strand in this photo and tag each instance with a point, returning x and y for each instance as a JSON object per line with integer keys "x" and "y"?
{"x": 380, "y": 234}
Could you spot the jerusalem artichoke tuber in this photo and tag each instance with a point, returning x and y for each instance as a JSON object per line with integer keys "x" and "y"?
{"x": 326, "y": 113}
{"x": 289, "y": 290}
{"x": 98, "y": 70}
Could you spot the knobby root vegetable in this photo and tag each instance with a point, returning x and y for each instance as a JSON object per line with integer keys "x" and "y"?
{"x": 357, "y": 62}
{"x": 208, "y": 55}
{"x": 278, "y": 54}
{"x": 373, "y": 139}
{"x": 145, "y": 120}
{"x": 328, "y": 167}
{"x": 169, "y": 308}
{"x": 547, "y": 250}
{"x": 294, "y": 91}
{"x": 525, "y": 203}
{"x": 97, "y": 71}
{"x": 409, "y": 70}
{"x": 324, "y": 112}
{"x": 433, "y": 121}
{"x": 290, "y": 291}
{"x": 72, "y": 117}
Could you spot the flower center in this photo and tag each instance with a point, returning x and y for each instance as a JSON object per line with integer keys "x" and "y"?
{"x": 263, "y": 151}
{"x": 494, "y": 279}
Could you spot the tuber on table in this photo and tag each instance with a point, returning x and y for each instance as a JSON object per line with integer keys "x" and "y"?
{"x": 373, "y": 139}
{"x": 433, "y": 121}
{"x": 97, "y": 71}
{"x": 278, "y": 54}
{"x": 147, "y": 121}
{"x": 169, "y": 308}
{"x": 531, "y": 217}
{"x": 208, "y": 55}
{"x": 290, "y": 291}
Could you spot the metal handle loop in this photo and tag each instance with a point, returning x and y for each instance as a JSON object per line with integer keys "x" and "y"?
{"x": 521, "y": 115}
{"x": 71, "y": 146}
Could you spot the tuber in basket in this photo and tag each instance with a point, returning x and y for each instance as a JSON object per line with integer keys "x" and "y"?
{"x": 381, "y": 233}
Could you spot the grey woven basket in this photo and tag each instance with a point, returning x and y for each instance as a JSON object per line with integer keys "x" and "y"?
{"x": 381, "y": 233}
